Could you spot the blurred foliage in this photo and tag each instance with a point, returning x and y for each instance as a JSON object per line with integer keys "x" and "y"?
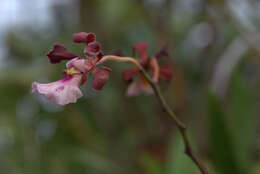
{"x": 109, "y": 133}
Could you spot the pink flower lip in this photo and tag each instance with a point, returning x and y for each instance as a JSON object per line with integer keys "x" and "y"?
{"x": 60, "y": 92}
{"x": 66, "y": 78}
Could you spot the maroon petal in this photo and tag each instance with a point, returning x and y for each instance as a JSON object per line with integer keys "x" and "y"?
{"x": 100, "y": 78}
{"x": 83, "y": 37}
{"x": 128, "y": 74}
{"x": 92, "y": 49}
{"x": 166, "y": 73}
{"x": 59, "y": 53}
{"x": 141, "y": 49}
{"x": 162, "y": 52}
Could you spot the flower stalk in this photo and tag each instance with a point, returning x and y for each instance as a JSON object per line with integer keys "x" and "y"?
{"x": 180, "y": 125}
{"x": 67, "y": 90}
{"x": 120, "y": 59}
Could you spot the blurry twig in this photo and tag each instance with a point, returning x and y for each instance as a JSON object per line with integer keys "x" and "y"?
{"x": 181, "y": 126}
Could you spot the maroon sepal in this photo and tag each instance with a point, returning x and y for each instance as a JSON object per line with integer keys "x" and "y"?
{"x": 162, "y": 52}
{"x": 100, "y": 78}
{"x": 128, "y": 74}
{"x": 83, "y": 37}
{"x": 141, "y": 49}
{"x": 92, "y": 49}
{"x": 165, "y": 73}
{"x": 59, "y": 53}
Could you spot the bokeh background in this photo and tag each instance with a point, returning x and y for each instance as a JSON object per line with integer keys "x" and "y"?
{"x": 214, "y": 50}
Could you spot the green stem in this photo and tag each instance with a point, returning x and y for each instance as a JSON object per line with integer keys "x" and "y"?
{"x": 180, "y": 125}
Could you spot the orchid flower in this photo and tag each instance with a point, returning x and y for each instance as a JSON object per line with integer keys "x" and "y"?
{"x": 150, "y": 64}
{"x": 67, "y": 90}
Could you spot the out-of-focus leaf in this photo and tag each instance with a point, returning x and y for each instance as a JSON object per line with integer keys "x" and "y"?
{"x": 150, "y": 164}
{"x": 99, "y": 163}
{"x": 242, "y": 121}
{"x": 222, "y": 145}
{"x": 178, "y": 162}
{"x": 256, "y": 168}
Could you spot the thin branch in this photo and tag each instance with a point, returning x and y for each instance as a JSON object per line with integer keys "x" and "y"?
{"x": 181, "y": 126}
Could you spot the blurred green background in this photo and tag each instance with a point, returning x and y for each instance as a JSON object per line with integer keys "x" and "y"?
{"x": 215, "y": 55}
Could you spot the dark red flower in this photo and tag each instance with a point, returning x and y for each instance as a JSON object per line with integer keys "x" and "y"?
{"x": 150, "y": 64}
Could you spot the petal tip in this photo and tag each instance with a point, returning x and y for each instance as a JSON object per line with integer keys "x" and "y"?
{"x": 59, "y": 53}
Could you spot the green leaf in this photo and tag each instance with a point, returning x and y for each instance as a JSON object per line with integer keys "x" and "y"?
{"x": 222, "y": 145}
{"x": 150, "y": 164}
{"x": 242, "y": 120}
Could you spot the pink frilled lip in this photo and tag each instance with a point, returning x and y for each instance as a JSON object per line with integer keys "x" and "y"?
{"x": 61, "y": 92}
